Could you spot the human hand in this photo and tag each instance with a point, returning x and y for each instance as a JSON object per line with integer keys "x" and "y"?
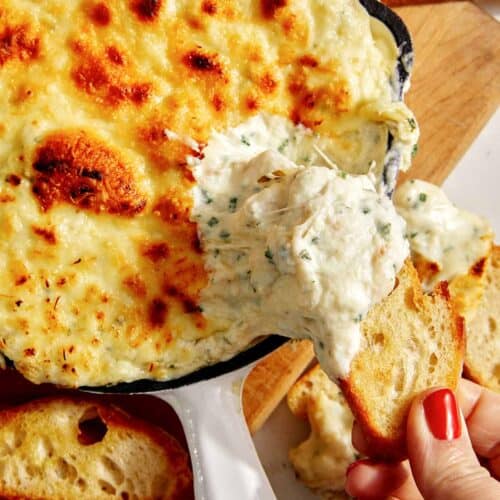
{"x": 442, "y": 446}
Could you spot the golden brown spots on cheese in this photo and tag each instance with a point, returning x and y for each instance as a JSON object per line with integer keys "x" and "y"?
{"x": 252, "y": 103}
{"x": 100, "y": 14}
{"x": 218, "y": 102}
{"x": 7, "y": 198}
{"x": 156, "y": 251}
{"x": 478, "y": 267}
{"x": 105, "y": 78}
{"x": 22, "y": 94}
{"x": 195, "y": 23}
{"x": 17, "y": 42}
{"x": 202, "y": 63}
{"x": 114, "y": 55}
{"x": 188, "y": 304}
{"x": 13, "y": 179}
{"x": 207, "y": 71}
{"x": 311, "y": 103}
{"x": 187, "y": 276}
{"x": 30, "y": 351}
{"x": 166, "y": 153}
{"x": 209, "y": 7}
{"x": 269, "y": 7}
{"x": 136, "y": 285}
{"x": 157, "y": 312}
{"x": 61, "y": 281}
{"x": 308, "y": 60}
{"x": 267, "y": 83}
{"x": 146, "y": 10}
{"x": 174, "y": 210}
{"x": 74, "y": 167}
{"x": 21, "y": 280}
{"x": 47, "y": 235}
{"x": 289, "y": 25}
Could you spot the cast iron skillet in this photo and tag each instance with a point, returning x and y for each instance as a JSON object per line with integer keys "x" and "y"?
{"x": 225, "y": 464}
{"x": 270, "y": 343}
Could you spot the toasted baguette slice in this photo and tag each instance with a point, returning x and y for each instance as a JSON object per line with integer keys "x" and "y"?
{"x": 271, "y": 378}
{"x": 410, "y": 342}
{"x": 482, "y": 358}
{"x": 68, "y": 448}
{"x": 321, "y": 461}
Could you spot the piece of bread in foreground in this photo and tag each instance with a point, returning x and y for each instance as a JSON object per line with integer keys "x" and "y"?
{"x": 482, "y": 358}
{"x": 77, "y": 448}
{"x": 410, "y": 342}
{"x": 321, "y": 461}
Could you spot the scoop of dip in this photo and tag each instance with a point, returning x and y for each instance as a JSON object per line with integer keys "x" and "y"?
{"x": 450, "y": 237}
{"x": 301, "y": 251}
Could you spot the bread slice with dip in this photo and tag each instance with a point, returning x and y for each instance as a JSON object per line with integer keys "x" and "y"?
{"x": 410, "y": 341}
{"x": 398, "y": 359}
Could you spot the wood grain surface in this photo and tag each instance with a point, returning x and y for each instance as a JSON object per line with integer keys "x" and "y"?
{"x": 455, "y": 90}
{"x": 455, "y": 84}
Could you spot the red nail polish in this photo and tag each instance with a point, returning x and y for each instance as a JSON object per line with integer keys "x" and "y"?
{"x": 363, "y": 461}
{"x": 442, "y": 415}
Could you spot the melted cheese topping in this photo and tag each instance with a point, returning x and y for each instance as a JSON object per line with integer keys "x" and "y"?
{"x": 451, "y": 239}
{"x": 299, "y": 251}
{"x": 100, "y": 263}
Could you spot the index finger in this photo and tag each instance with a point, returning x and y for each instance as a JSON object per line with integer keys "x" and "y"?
{"x": 481, "y": 409}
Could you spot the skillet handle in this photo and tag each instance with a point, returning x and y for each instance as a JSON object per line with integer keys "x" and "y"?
{"x": 225, "y": 462}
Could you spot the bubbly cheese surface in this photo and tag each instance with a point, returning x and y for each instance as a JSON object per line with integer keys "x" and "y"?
{"x": 294, "y": 250}
{"x": 101, "y": 102}
{"x": 452, "y": 240}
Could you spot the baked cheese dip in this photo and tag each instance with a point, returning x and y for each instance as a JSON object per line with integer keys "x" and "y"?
{"x": 107, "y": 257}
{"x": 450, "y": 239}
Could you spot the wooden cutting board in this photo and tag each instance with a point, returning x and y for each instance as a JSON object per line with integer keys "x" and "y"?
{"x": 455, "y": 90}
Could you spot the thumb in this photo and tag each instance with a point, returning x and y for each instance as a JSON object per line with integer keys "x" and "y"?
{"x": 443, "y": 462}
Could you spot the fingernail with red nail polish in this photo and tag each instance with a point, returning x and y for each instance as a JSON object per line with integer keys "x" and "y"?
{"x": 442, "y": 415}
{"x": 363, "y": 461}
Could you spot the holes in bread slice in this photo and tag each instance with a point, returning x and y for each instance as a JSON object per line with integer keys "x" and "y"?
{"x": 107, "y": 487}
{"x": 496, "y": 372}
{"x": 91, "y": 427}
{"x": 65, "y": 470}
{"x": 433, "y": 361}
{"x": 492, "y": 324}
{"x": 82, "y": 484}
{"x": 113, "y": 470}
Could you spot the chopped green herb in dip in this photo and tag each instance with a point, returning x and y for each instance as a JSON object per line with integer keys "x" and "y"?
{"x": 309, "y": 290}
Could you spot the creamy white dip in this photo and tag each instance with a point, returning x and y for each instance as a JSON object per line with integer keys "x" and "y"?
{"x": 439, "y": 231}
{"x": 302, "y": 251}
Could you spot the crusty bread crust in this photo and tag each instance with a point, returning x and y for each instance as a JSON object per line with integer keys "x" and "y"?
{"x": 482, "y": 360}
{"x": 54, "y": 421}
{"x": 411, "y": 342}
